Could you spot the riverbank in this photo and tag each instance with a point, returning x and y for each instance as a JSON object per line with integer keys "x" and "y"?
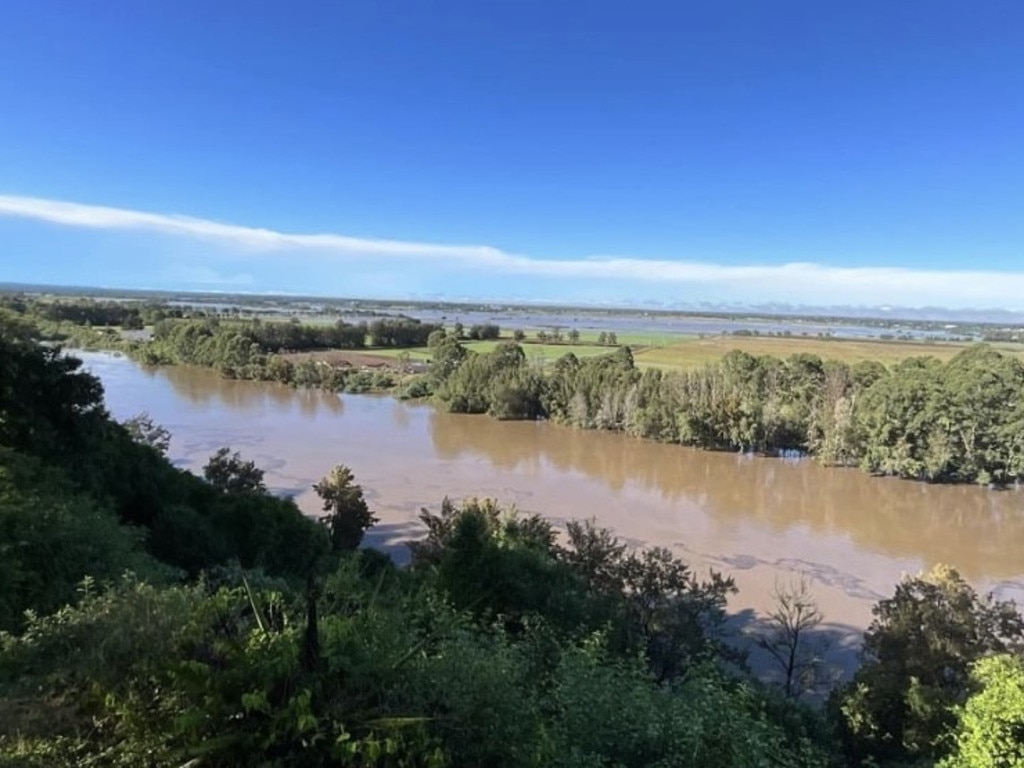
{"x": 765, "y": 521}
{"x": 928, "y": 418}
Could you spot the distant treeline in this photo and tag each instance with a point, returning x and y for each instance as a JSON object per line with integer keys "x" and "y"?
{"x": 240, "y": 349}
{"x": 480, "y": 331}
{"x": 205, "y": 342}
{"x": 257, "y": 350}
{"x": 961, "y": 421}
{"x": 401, "y": 332}
{"x": 125, "y": 314}
{"x": 269, "y": 336}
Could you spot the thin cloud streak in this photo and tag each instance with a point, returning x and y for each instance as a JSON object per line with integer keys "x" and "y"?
{"x": 881, "y": 284}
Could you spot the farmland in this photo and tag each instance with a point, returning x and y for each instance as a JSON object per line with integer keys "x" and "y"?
{"x": 683, "y": 352}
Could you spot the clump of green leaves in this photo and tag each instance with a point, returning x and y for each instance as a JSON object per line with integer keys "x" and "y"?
{"x": 919, "y": 652}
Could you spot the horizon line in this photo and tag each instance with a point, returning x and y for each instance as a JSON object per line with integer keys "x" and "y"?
{"x": 919, "y": 286}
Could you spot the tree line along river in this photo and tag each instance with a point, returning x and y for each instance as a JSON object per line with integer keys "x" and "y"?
{"x": 762, "y": 520}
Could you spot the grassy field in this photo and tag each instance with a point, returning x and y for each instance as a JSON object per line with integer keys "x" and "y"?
{"x": 630, "y": 338}
{"x": 416, "y": 354}
{"x": 657, "y": 349}
{"x": 534, "y": 351}
{"x": 696, "y": 352}
{"x": 689, "y": 352}
{"x": 546, "y": 352}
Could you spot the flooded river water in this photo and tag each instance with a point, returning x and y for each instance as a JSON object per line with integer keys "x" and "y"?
{"x": 762, "y": 520}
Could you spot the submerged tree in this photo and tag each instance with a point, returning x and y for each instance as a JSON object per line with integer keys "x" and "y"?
{"x": 348, "y": 517}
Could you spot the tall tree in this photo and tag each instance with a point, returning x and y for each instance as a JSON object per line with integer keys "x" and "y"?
{"x": 228, "y": 472}
{"x": 145, "y": 431}
{"x": 348, "y": 517}
{"x": 918, "y": 655}
{"x": 789, "y": 641}
{"x": 991, "y": 728}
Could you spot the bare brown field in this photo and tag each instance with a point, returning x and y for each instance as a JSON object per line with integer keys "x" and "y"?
{"x": 344, "y": 358}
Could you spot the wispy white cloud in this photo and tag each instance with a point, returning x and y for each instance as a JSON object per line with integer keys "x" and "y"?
{"x": 797, "y": 281}
{"x": 249, "y": 238}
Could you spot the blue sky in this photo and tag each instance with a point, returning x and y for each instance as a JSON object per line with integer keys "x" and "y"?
{"x": 734, "y": 151}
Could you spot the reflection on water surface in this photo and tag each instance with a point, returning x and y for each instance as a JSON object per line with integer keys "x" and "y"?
{"x": 761, "y": 519}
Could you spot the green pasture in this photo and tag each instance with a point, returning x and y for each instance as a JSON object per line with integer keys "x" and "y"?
{"x": 696, "y": 352}
{"x": 682, "y": 352}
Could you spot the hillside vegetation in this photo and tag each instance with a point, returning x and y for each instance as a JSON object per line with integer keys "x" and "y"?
{"x": 156, "y": 618}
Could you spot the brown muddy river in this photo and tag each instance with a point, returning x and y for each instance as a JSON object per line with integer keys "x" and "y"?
{"x": 761, "y": 520}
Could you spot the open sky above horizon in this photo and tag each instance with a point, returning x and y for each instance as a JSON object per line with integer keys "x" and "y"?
{"x": 795, "y": 151}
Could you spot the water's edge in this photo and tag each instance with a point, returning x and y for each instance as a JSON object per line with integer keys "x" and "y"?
{"x": 765, "y": 521}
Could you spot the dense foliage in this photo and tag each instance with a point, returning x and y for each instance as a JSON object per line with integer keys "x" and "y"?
{"x": 233, "y": 345}
{"x": 962, "y": 421}
{"x": 400, "y": 332}
{"x": 264, "y": 351}
{"x": 919, "y": 653}
{"x": 130, "y": 315}
{"x": 484, "y": 332}
{"x": 241, "y": 639}
{"x": 78, "y": 491}
{"x": 990, "y": 731}
{"x": 154, "y": 618}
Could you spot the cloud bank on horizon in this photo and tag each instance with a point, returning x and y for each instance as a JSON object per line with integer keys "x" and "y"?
{"x": 620, "y": 277}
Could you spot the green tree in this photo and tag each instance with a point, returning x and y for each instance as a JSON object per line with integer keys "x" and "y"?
{"x": 52, "y": 536}
{"x": 48, "y": 406}
{"x": 436, "y": 337}
{"x": 227, "y": 472}
{"x": 596, "y": 555}
{"x": 145, "y": 431}
{"x": 446, "y": 357}
{"x": 918, "y": 655}
{"x": 990, "y": 732}
{"x": 348, "y": 516}
{"x": 675, "y": 616}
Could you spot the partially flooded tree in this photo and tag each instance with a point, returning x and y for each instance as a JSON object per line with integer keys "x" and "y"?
{"x": 789, "y": 640}
{"x": 348, "y": 517}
